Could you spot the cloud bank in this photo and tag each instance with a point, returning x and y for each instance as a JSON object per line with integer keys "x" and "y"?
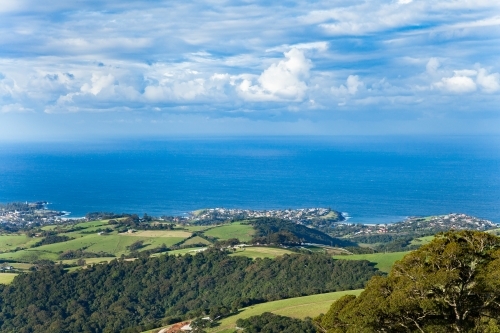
{"x": 250, "y": 59}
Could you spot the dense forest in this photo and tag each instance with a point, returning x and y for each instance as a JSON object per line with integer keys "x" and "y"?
{"x": 125, "y": 296}
{"x": 278, "y": 231}
{"x": 271, "y": 323}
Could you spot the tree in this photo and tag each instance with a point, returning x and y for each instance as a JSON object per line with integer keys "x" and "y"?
{"x": 449, "y": 285}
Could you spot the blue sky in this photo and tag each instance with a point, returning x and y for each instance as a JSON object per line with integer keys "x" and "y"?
{"x": 158, "y": 68}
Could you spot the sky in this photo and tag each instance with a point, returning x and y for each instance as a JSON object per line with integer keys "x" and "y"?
{"x": 97, "y": 69}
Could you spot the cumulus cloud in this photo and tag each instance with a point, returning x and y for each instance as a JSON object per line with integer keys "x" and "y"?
{"x": 282, "y": 81}
{"x": 98, "y": 83}
{"x": 468, "y": 80}
{"x": 351, "y": 87}
{"x": 186, "y": 85}
{"x": 121, "y": 56}
{"x": 490, "y": 83}
{"x": 457, "y": 84}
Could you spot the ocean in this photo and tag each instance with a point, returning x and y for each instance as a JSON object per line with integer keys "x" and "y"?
{"x": 372, "y": 179}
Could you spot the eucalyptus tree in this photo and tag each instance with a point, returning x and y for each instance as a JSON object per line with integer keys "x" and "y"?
{"x": 449, "y": 285}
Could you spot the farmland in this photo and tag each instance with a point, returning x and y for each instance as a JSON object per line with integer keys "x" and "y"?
{"x": 243, "y": 232}
{"x": 297, "y": 307}
{"x": 85, "y": 236}
{"x": 261, "y": 252}
{"x": 383, "y": 261}
{"x": 6, "y": 278}
{"x": 113, "y": 243}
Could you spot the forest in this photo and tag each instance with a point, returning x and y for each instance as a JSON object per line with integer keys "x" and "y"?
{"x": 130, "y": 296}
{"x": 271, "y": 323}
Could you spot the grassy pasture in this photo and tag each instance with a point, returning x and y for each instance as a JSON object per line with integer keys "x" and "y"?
{"x": 6, "y": 278}
{"x": 21, "y": 266}
{"x": 89, "y": 261}
{"x": 196, "y": 240}
{"x": 298, "y": 307}
{"x": 422, "y": 240}
{"x": 90, "y": 224}
{"x": 114, "y": 244}
{"x": 28, "y": 255}
{"x": 383, "y": 261}
{"x": 261, "y": 252}
{"x": 11, "y": 241}
{"x": 243, "y": 232}
{"x": 159, "y": 233}
{"x": 194, "y": 228}
{"x": 191, "y": 250}
{"x": 49, "y": 227}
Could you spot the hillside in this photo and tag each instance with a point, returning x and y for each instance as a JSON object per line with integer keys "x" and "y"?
{"x": 278, "y": 231}
{"x": 133, "y": 295}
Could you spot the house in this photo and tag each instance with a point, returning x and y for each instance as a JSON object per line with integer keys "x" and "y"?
{"x": 186, "y": 328}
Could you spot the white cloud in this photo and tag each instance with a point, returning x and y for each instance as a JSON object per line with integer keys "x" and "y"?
{"x": 319, "y": 46}
{"x": 457, "y": 84}
{"x": 489, "y": 82}
{"x": 14, "y": 108}
{"x": 353, "y": 83}
{"x": 351, "y": 87}
{"x": 282, "y": 81}
{"x": 432, "y": 66}
{"x": 468, "y": 80}
{"x": 465, "y": 72}
{"x": 98, "y": 83}
{"x": 124, "y": 55}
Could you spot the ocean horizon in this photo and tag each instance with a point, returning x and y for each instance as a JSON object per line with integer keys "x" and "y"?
{"x": 380, "y": 179}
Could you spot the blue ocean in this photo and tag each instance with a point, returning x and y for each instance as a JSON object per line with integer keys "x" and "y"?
{"x": 372, "y": 179}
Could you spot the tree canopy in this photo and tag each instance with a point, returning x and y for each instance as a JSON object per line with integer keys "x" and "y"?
{"x": 449, "y": 285}
{"x": 272, "y": 323}
{"x": 133, "y": 296}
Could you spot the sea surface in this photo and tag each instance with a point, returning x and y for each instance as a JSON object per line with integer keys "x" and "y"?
{"x": 373, "y": 179}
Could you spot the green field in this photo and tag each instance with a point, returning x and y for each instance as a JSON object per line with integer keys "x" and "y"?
{"x": 90, "y": 224}
{"x": 422, "y": 240}
{"x": 6, "y": 278}
{"x": 298, "y": 307}
{"x": 12, "y": 241}
{"x": 383, "y": 261}
{"x": 261, "y": 252}
{"x": 28, "y": 255}
{"x": 243, "y": 232}
{"x": 196, "y": 240}
{"x": 191, "y": 250}
{"x": 89, "y": 261}
{"x": 112, "y": 243}
{"x": 194, "y": 228}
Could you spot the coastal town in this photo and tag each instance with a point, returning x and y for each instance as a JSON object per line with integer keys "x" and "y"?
{"x": 429, "y": 224}
{"x": 301, "y": 216}
{"x": 28, "y": 213}
{"x": 22, "y": 214}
